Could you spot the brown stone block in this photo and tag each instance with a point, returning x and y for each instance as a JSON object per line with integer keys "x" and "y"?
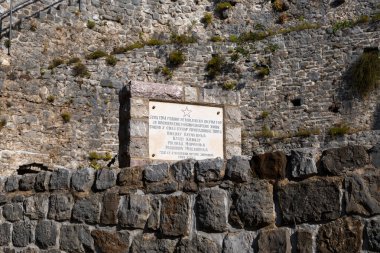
{"x": 270, "y": 165}
{"x": 175, "y": 215}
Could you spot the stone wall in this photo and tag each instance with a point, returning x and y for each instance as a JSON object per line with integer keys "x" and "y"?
{"x": 307, "y": 66}
{"x": 306, "y": 202}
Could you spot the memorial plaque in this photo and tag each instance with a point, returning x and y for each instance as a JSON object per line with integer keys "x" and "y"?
{"x": 181, "y": 131}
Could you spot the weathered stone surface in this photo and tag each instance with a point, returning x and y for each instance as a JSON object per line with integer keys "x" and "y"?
{"x": 198, "y": 244}
{"x": 312, "y": 200}
{"x": 130, "y": 179}
{"x": 134, "y": 211}
{"x": 252, "y": 205}
{"x": 153, "y": 222}
{"x": 241, "y": 242}
{"x": 60, "y": 180}
{"x": 76, "y": 239}
{"x": 109, "y": 242}
{"x": 36, "y": 206}
{"x": 156, "y": 91}
{"x": 338, "y": 160}
{"x": 238, "y": 170}
{"x": 175, "y": 215}
{"x": 82, "y": 180}
{"x": 270, "y": 165}
{"x": 156, "y": 173}
{"x": 60, "y": 207}
{"x": 12, "y": 183}
{"x": 183, "y": 172}
{"x": 27, "y": 182}
{"x": 343, "y": 235}
{"x": 105, "y": 179}
{"x": 211, "y": 209}
{"x": 209, "y": 170}
{"x": 5, "y": 234}
{"x": 362, "y": 193}
{"x": 46, "y": 234}
{"x": 87, "y": 210}
{"x": 302, "y": 162}
{"x": 148, "y": 243}
{"x": 42, "y": 181}
{"x": 372, "y": 234}
{"x": 304, "y": 241}
{"x": 374, "y": 154}
{"x": 22, "y": 233}
{"x": 274, "y": 241}
{"x": 13, "y": 212}
{"x": 167, "y": 186}
{"x": 110, "y": 207}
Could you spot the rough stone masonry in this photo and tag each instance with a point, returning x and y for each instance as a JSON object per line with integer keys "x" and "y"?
{"x": 309, "y": 201}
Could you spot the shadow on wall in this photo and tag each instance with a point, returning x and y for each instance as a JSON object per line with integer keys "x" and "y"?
{"x": 124, "y": 118}
{"x": 376, "y": 118}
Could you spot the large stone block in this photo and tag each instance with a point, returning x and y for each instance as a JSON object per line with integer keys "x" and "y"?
{"x": 183, "y": 172}
{"x": 312, "y": 200}
{"x": 304, "y": 241}
{"x": 42, "y": 181}
{"x": 156, "y": 173}
{"x": 302, "y": 162}
{"x": 60, "y": 180}
{"x": 209, "y": 171}
{"x": 60, "y": 207}
{"x": 76, "y": 239}
{"x": 252, "y": 206}
{"x": 148, "y": 243}
{"x": 238, "y": 170}
{"x": 339, "y": 160}
{"x": 87, "y": 210}
{"x": 156, "y": 91}
{"x": 22, "y": 233}
{"x": 343, "y": 235}
{"x": 110, "y": 208}
{"x": 105, "y": 179}
{"x": 197, "y": 244}
{"x": 274, "y": 241}
{"x": 134, "y": 211}
{"x": 374, "y": 154}
{"x": 110, "y": 242}
{"x": 153, "y": 222}
{"x": 13, "y": 212}
{"x": 82, "y": 180}
{"x": 211, "y": 210}
{"x": 12, "y": 183}
{"x": 27, "y": 182}
{"x": 5, "y": 234}
{"x": 372, "y": 234}
{"x": 241, "y": 242}
{"x": 175, "y": 215}
{"x": 46, "y": 234}
{"x": 130, "y": 179}
{"x": 270, "y": 165}
{"x": 36, "y": 206}
{"x": 362, "y": 193}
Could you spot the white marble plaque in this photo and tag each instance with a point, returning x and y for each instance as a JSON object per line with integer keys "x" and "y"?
{"x": 181, "y": 131}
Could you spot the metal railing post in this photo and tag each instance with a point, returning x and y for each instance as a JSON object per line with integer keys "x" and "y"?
{"x": 10, "y": 28}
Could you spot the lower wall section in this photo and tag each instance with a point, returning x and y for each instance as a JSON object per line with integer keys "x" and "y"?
{"x": 310, "y": 201}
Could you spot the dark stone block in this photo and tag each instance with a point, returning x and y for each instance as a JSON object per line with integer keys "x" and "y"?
{"x": 105, "y": 179}
{"x": 270, "y": 165}
{"x": 304, "y": 241}
{"x": 252, "y": 206}
{"x": 211, "y": 210}
{"x": 46, "y": 234}
{"x": 82, "y": 180}
{"x": 27, "y": 182}
{"x": 339, "y": 160}
{"x": 5, "y": 234}
{"x": 13, "y": 212}
{"x": 42, "y": 181}
{"x": 162, "y": 187}
{"x": 22, "y": 233}
{"x": 60, "y": 207}
{"x": 76, "y": 239}
{"x": 312, "y": 200}
{"x": 302, "y": 163}
{"x": 12, "y": 183}
{"x": 130, "y": 179}
{"x": 209, "y": 170}
{"x": 156, "y": 173}
{"x": 60, "y": 180}
{"x": 149, "y": 243}
{"x": 36, "y": 206}
{"x": 153, "y": 222}
{"x": 362, "y": 193}
{"x": 238, "y": 170}
{"x": 274, "y": 241}
{"x": 372, "y": 234}
{"x": 183, "y": 172}
{"x": 110, "y": 207}
{"x": 134, "y": 211}
{"x": 343, "y": 235}
{"x": 87, "y": 210}
{"x": 110, "y": 242}
{"x": 175, "y": 215}
{"x": 374, "y": 154}
{"x": 197, "y": 244}
{"x": 3, "y": 199}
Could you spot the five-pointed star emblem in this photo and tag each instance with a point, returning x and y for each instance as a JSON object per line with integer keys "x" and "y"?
{"x": 186, "y": 112}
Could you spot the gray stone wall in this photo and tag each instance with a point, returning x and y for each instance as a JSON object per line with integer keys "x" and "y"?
{"x": 309, "y": 201}
{"x": 307, "y": 65}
